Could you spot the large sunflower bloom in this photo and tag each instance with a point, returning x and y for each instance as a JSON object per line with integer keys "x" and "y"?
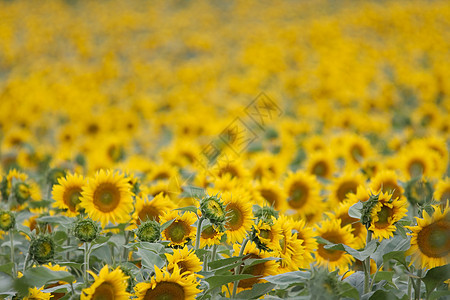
{"x": 67, "y": 193}
{"x": 343, "y": 185}
{"x": 165, "y": 285}
{"x": 333, "y": 231}
{"x": 181, "y": 229}
{"x": 239, "y": 218}
{"x": 107, "y": 285}
{"x": 430, "y": 239}
{"x": 385, "y": 214}
{"x": 107, "y": 198}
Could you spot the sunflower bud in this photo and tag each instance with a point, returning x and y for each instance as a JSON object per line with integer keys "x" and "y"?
{"x": 324, "y": 285}
{"x": 213, "y": 209}
{"x": 7, "y": 220}
{"x": 149, "y": 231}
{"x": 54, "y": 174}
{"x": 22, "y": 192}
{"x": 366, "y": 211}
{"x": 42, "y": 249}
{"x": 266, "y": 213}
{"x": 86, "y": 230}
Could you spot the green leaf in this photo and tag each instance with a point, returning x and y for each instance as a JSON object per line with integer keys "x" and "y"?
{"x": 39, "y": 276}
{"x": 217, "y": 281}
{"x": 439, "y": 295}
{"x": 384, "y": 295}
{"x": 150, "y": 259}
{"x": 321, "y": 240}
{"x": 400, "y": 230}
{"x": 224, "y": 262}
{"x": 7, "y": 268}
{"x": 359, "y": 255}
{"x": 355, "y": 210}
{"x": 167, "y": 224}
{"x": 64, "y": 221}
{"x": 288, "y": 278}
{"x": 396, "y": 255}
{"x": 384, "y": 275}
{"x": 348, "y": 291}
{"x": 436, "y": 276}
{"x": 6, "y": 283}
{"x": 257, "y": 291}
{"x": 155, "y": 247}
{"x": 191, "y": 208}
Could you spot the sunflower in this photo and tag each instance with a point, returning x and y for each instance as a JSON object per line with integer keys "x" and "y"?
{"x": 107, "y": 285}
{"x": 343, "y": 185}
{"x": 270, "y": 193}
{"x": 266, "y": 166}
{"x": 67, "y": 193}
{"x": 356, "y": 149}
{"x": 168, "y": 285}
{"x": 333, "y": 231}
{"x": 186, "y": 260}
{"x": 302, "y": 191}
{"x": 151, "y": 209}
{"x": 107, "y": 198}
{"x": 35, "y": 293}
{"x": 181, "y": 230}
{"x": 321, "y": 164}
{"x": 442, "y": 191}
{"x": 386, "y": 212}
{"x": 267, "y": 234}
{"x": 358, "y": 230}
{"x": 239, "y": 218}
{"x": 417, "y": 162}
{"x": 291, "y": 250}
{"x": 430, "y": 239}
{"x": 306, "y": 235}
{"x": 49, "y": 266}
{"x": 211, "y": 235}
{"x": 269, "y": 267}
{"x": 387, "y": 181}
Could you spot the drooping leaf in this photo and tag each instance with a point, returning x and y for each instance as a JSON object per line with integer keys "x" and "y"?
{"x": 355, "y": 210}
{"x": 39, "y": 276}
{"x": 288, "y": 278}
{"x": 257, "y": 291}
{"x": 191, "y": 208}
{"x": 359, "y": 255}
{"x": 150, "y": 259}
{"x": 436, "y": 276}
{"x": 217, "y": 281}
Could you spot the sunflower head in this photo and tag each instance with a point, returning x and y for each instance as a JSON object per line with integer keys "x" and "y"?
{"x": 22, "y": 192}
{"x": 419, "y": 190}
{"x": 149, "y": 231}
{"x": 86, "y": 230}
{"x": 213, "y": 209}
{"x": 7, "y": 220}
{"x": 42, "y": 249}
{"x": 266, "y": 234}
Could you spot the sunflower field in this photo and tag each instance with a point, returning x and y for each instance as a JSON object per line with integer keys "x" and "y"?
{"x": 224, "y": 149}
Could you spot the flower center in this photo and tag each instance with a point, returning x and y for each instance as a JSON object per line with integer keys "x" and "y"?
{"x": 320, "y": 169}
{"x": 416, "y": 169}
{"x": 434, "y": 240}
{"x": 148, "y": 212}
{"x": 270, "y": 196}
{"x": 345, "y": 188}
{"x": 177, "y": 231}
{"x": 383, "y": 217}
{"x": 208, "y": 232}
{"x": 298, "y": 195}
{"x": 392, "y": 188}
{"x": 165, "y": 291}
{"x": 106, "y": 197}
{"x": 235, "y": 219}
{"x": 104, "y": 291}
{"x": 72, "y": 198}
{"x": 256, "y": 270}
{"x": 357, "y": 153}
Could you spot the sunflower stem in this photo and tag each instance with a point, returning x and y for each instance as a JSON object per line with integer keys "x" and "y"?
{"x": 86, "y": 263}
{"x": 125, "y": 249}
{"x": 12, "y": 252}
{"x": 199, "y": 230}
{"x": 375, "y": 275}
{"x": 237, "y": 270}
{"x": 366, "y": 265}
{"x": 409, "y": 288}
{"x": 25, "y": 262}
{"x": 214, "y": 252}
{"x": 418, "y": 284}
